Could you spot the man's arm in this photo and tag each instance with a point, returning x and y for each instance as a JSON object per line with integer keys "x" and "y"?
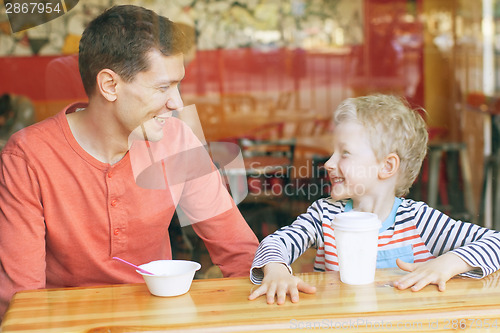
{"x": 215, "y": 218}
{"x": 230, "y": 242}
{"x": 196, "y": 186}
{"x": 22, "y": 229}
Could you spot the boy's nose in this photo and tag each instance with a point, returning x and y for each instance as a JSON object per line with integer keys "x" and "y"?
{"x": 331, "y": 163}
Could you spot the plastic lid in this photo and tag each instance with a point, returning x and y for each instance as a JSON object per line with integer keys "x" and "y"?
{"x": 356, "y": 221}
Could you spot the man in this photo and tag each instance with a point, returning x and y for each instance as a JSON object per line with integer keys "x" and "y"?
{"x": 73, "y": 194}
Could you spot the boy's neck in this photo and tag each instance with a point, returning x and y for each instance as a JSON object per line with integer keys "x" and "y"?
{"x": 380, "y": 205}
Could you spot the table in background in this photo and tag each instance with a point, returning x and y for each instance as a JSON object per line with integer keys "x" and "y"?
{"x": 221, "y": 305}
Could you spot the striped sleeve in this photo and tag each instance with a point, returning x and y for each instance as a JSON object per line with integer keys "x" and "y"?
{"x": 477, "y": 246}
{"x": 290, "y": 242}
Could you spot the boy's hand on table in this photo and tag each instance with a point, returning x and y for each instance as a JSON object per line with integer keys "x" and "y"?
{"x": 436, "y": 271}
{"x": 279, "y": 282}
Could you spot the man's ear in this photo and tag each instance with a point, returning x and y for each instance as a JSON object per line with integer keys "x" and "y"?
{"x": 106, "y": 84}
{"x": 390, "y": 166}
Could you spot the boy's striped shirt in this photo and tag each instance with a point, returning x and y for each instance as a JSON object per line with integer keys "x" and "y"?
{"x": 414, "y": 232}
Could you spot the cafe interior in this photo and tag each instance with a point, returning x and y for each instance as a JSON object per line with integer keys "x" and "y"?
{"x": 266, "y": 75}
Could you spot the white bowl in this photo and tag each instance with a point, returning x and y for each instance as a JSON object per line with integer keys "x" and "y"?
{"x": 172, "y": 277}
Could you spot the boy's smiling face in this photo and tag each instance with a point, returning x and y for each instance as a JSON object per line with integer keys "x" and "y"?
{"x": 353, "y": 168}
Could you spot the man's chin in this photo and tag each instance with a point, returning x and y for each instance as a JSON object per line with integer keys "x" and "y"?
{"x": 145, "y": 134}
{"x": 153, "y": 136}
{"x": 152, "y": 131}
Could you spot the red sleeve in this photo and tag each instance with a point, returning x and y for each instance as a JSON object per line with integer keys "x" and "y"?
{"x": 207, "y": 205}
{"x": 196, "y": 185}
{"x": 22, "y": 229}
{"x": 230, "y": 242}
{"x": 216, "y": 219}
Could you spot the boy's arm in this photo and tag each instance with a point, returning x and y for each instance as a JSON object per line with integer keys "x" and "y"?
{"x": 475, "y": 245}
{"x": 459, "y": 248}
{"x": 278, "y": 281}
{"x": 271, "y": 266}
{"x": 288, "y": 243}
{"x": 436, "y": 271}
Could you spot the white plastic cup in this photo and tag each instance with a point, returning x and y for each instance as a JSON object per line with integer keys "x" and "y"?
{"x": 356, "y": 238}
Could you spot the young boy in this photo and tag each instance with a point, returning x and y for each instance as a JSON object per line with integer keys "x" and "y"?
{"x": 379, "y": 146}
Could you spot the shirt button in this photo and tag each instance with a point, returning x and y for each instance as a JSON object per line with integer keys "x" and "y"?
{"x": 114, "y": 202}
{"x": 110, "y": 174}
{"x": 116, "y": 232}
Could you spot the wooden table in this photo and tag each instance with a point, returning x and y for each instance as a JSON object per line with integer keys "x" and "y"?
{"x": 221, "y": 305}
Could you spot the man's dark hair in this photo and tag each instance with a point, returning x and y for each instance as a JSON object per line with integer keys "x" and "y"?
{"x": 121, "y": 37}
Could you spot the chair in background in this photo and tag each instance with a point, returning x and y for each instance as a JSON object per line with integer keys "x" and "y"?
{"x": 446, "y": 184}
{"x": 268, "y": 165}
{"x": 310, "y": 177}
{"x": 320, "y": 177}
{"x": 235, "y": 105}
{"x": 283, "y": 103}
{"x": 492, "y": 178}
{"x": 270, "y": 131}
{"x": 312, "y": 127}
{"x": 490, "y": 198}
{"x": 267, "y": 157}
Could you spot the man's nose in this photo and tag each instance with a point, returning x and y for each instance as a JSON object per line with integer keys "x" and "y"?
{"x": 174, "y": 101}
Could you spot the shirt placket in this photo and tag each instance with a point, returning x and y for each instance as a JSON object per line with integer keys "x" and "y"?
{"x": 117, "y": 212}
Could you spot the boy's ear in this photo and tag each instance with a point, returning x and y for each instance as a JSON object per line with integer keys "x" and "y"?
{"x": 106, "y": 84}
{"x": 390, "y": 166}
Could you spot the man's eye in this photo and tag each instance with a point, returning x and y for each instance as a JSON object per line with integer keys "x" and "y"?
{"x": 345, "y": 153}
{"x": 163, "y": 88}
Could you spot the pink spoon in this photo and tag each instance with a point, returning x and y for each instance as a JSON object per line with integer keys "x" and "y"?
{"x": 137, "y": 267}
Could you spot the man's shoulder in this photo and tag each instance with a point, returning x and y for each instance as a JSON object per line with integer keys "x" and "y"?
{"x": 36, "y": 137}
{"x": 39, "y": 130}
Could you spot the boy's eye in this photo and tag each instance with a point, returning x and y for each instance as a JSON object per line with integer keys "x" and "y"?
{"x": 345, "y": 153}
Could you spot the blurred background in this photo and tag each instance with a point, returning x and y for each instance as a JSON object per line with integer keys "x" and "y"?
{"x": 267, "y": 74}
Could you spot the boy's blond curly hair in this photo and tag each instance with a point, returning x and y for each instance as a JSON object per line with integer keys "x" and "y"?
{"x": 393, "y": 127}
